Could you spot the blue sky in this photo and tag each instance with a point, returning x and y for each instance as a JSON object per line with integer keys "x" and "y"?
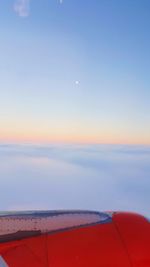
{"x": 75, "y": 71}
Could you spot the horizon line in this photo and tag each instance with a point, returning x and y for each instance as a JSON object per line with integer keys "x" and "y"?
{"x": 47, "y": 143}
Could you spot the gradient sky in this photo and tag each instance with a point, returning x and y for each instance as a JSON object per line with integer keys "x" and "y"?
{"x": 75, "y": 71}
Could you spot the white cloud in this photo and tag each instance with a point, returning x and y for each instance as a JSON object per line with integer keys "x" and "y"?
{"x": 22, "y": 7}
{"x": 92, "y": 177}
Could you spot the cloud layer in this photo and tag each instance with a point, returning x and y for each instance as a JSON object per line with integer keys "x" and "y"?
{"x": 75, "y": 177}
{"x": 22, "y": 7}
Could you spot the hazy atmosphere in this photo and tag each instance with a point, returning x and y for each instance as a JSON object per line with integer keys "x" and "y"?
{"x": 97, "y": 177}
{"x": 75, "y": 105}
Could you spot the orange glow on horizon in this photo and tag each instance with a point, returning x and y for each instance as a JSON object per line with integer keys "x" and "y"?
{"x": 75, "y": 139}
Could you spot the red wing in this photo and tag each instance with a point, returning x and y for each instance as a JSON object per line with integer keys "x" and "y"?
{"x": 65, "y": 239}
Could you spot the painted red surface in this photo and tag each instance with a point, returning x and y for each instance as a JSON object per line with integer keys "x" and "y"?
{"x": 123, "y": 242}
{"x": 135, "y": 233}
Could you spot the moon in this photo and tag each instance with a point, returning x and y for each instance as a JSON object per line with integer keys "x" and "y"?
{"x": 76, "y": 82}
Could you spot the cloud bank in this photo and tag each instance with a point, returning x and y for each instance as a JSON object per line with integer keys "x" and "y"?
{"x": 22, "y": 7}
{"x": 94, "y": 177}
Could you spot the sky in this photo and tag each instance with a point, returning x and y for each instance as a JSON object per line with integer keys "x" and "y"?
{"x": 75, "y": 71}
{"x": 74, "y": 105}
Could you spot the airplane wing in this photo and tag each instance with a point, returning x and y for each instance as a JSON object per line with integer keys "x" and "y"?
{"x": 73, "y": 239}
